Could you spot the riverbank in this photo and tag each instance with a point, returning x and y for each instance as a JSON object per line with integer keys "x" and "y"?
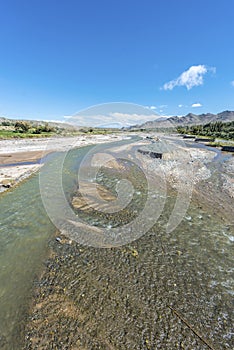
{"x": 16, "y": 154}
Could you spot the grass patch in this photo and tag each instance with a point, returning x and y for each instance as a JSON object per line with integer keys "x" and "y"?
{"x": 10, "y": 134}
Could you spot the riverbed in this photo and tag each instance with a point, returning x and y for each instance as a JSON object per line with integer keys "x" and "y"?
{"x": 165, "y": 290}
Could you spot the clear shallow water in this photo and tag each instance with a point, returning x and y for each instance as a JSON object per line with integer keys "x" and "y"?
{"x": 119, "y": 298}
{"x": 191, "y": 268}
{"x": 24, "y": 233}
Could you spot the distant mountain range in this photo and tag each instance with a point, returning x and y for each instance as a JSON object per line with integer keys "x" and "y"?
{"x": 189, "y": 119}
{"x": 159, "y": 123}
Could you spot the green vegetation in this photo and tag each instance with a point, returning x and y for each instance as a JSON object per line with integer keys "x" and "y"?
{"x": 29, "y": 129}
{"x": 24, "y": 129}
{"x": 168, "y": 130}
{"x": 22, "y": 126}
{"x": 40, "y": 129}
{"x": 214, "y": 130}
{"x": 8, "y": 134}
{"x": 99, "y": 131}
{"x": 6, "y": 123}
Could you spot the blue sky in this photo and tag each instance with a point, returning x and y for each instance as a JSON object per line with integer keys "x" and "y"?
{"x": 59, "y": 57}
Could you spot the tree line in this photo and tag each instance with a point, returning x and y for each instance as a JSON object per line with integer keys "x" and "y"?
{"x": 216, "y": 129}
{"x": 26, "y": 127}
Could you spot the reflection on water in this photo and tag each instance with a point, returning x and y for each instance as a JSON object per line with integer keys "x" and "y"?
{"x": 116, "y": 297}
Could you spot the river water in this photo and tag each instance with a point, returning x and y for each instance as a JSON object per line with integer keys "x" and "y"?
{"x": 193, "y": 266}
{"x": 24, "y": 233}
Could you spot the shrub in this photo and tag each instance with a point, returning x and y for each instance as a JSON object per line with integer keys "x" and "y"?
{"x": 22, "y": 126}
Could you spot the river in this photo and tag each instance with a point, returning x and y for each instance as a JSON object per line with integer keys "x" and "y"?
{"x": 190, "y": 268}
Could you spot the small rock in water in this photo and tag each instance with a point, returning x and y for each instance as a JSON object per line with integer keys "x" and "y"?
{"x": 134, "y": 253}
{"x": 6, "y": 185}
{"x": 154, "y": 196}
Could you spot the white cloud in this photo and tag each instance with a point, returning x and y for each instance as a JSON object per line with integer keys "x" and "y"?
{"x": 190, "y": 78}
{"x": 151, "y": 107}
{"x": 180, "y": 106}
{"x": 132, "y": 118}
{"x": 67, "y": 116}
{"x": 232, "y": 83}
{"x": 123, "y": 119}
{"x": 118, "y": 113}
{"x": 194, "y": 105}
{"x": 156, "y": 107}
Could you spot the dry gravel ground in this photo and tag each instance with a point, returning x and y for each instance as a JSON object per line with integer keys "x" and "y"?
{"x": 54, "y": 143}
{"x": 30, "y": 150}
{"x": 228, "y": 176}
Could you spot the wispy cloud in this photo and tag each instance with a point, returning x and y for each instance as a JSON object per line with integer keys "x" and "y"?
{"x": 54, "y": 121}
{"x": 180, "y": 106}
{"x": 195, "y": 105}
{"x": 151, "y": 107}
{"x": 190, "y": 78}
{"x": 132, "y": 118}
{"x": 120, "y": 113}
{"x": 232, "y": 83}
{"x": 68, "y": 116}
{"x": 123, "y": 119}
